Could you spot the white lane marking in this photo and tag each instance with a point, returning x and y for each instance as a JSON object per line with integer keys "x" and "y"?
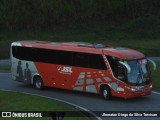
{"x": 155, "y": 92}
{"x": 76, "y": 106}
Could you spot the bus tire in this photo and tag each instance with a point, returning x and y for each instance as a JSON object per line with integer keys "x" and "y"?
{"x": 106, "y": 92}
{"x": 38, "y": 83}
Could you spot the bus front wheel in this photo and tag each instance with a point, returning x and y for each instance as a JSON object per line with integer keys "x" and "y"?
{"x": 38, "y": 83}
{"x": 106, "y": 92}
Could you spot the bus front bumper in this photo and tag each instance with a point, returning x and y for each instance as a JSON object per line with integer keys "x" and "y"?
{"x": 132, "y": 93}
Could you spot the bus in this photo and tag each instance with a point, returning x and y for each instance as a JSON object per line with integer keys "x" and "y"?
{"x": 94, "y": 68}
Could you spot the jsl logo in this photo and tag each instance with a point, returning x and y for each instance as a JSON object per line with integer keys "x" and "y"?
{"x": 64, "y": 69}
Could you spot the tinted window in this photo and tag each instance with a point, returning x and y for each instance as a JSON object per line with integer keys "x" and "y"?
{"x": 85, "y": 60}
{"x": 113, "y": 61}
{"x": 81, "y": 59}
{"x": 63, "y": 57}
{"x": 96, "y": 61}
{"x": 23, "y": 53}
{"x": 42, "y": 55}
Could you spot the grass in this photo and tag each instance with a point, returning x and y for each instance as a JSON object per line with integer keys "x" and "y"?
{"x": 141, "y": 34}
{"x": 5, "y": 68}
{"x": 155, "y": 77}
{"x": 148, "y": 47}
{"x": 14, "y": 101}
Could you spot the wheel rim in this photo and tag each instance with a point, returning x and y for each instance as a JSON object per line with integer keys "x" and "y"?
{"x": 38, "y": 84}
{"x": 105, "y": 93}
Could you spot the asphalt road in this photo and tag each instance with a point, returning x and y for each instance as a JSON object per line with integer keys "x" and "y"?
{"x": 91, "y": 102}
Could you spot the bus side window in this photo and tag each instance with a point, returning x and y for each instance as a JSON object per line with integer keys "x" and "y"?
{"x": 14, "y": 51}
{"x": 80, "y": 59}
{"x": 63, "y": 57}
{"x": 23, "y": 53}
{"x": 121, "y": 73}
{"x": 96, "y": 61}
{"x": 113, "y": 64}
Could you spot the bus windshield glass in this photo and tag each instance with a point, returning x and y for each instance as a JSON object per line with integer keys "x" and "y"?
{"x": 139, "y": 73}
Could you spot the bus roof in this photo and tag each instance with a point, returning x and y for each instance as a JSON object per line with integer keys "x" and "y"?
{"x": 119, "y": 52}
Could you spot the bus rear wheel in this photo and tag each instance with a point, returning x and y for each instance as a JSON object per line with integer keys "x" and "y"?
{"x": 38, "y": 83}
{"x": 106, "y": 92}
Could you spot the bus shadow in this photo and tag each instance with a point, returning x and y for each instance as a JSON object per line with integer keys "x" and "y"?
{"x": 85, "y": 94}
{"x": 75, "y": 93}
{"x": 59, "y": 91}
{"x": 98, "y": 96}
{"x": 131, "y": 100}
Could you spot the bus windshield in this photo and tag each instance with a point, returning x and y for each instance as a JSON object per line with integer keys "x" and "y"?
{"x": 139, "y": 73}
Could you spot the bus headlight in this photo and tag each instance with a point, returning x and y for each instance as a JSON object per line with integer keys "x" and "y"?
{"x": 129, "y": 88}
{"x": 150, "y": 86}
{"x": 133, "y": 89}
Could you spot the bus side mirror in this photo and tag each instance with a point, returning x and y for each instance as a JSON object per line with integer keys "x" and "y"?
{"x": 127, "y": 66}
{"x": 153, "y": 63}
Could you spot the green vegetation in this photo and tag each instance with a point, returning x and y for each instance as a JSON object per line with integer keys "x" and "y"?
{"x": 44, "y": 14}
{"x": 131, "y": 23}
{"x": 5, "y": 68}
{"x": 155, "y": 77}
{"x": 14, "y": 101}
{"x": 131, "y": 34}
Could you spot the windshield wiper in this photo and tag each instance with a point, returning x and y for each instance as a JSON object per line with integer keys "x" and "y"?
{"x": 138, "y": 78}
